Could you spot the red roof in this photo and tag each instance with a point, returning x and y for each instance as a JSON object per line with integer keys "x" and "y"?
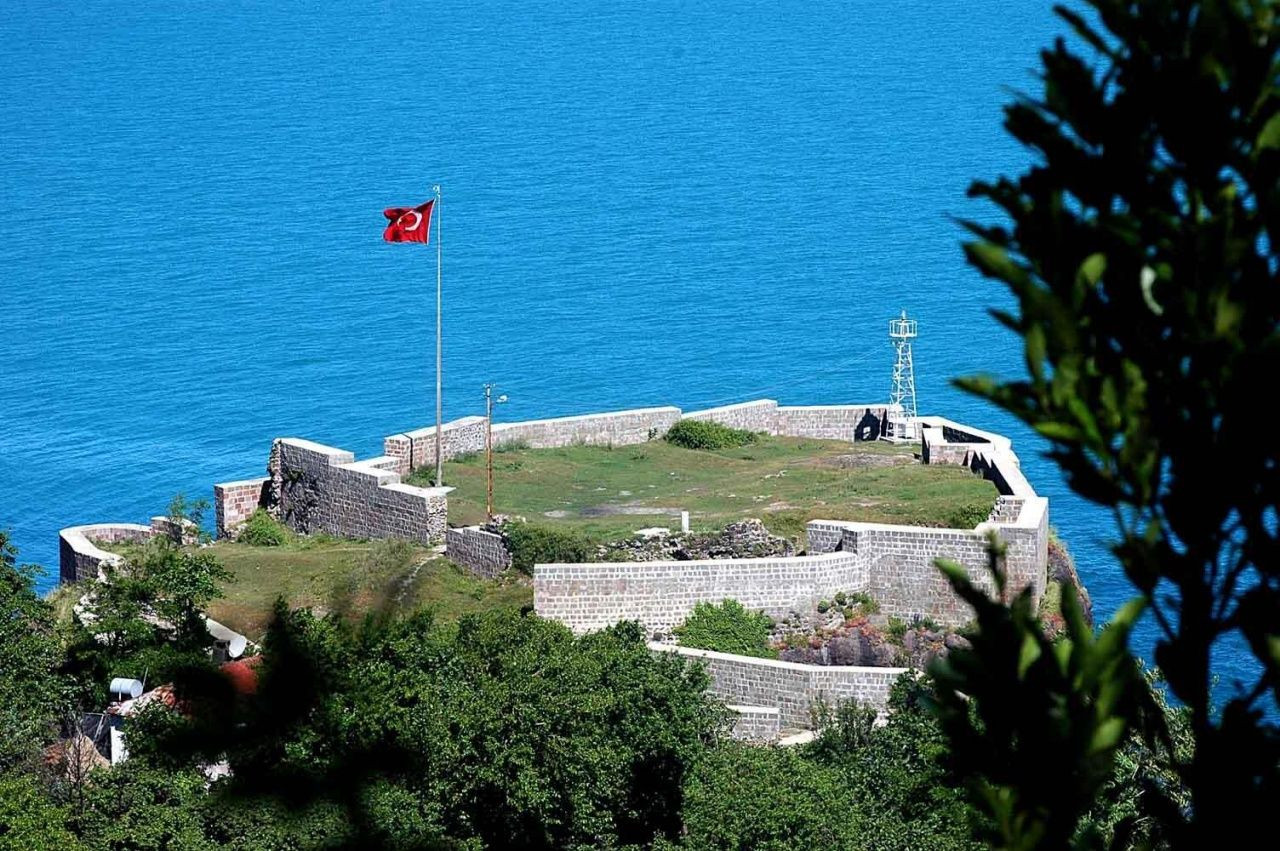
{"x": 243, "y": 674}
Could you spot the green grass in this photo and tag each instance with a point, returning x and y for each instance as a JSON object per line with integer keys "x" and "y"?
{"x": 783, "y": 481}
{"x": 353, "y": 578}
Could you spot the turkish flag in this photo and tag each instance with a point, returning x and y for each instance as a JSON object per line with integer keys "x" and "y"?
{"x": 409, "y": 224}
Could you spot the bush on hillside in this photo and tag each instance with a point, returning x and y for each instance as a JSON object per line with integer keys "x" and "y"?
{"x": 263, "y": 530}
{"x": 727, "y": 628}
{"x": 699, "y": 434}
{"x": 531, "y": 544}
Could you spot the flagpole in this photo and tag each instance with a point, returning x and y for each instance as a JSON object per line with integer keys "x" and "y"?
{"x": 439, "y": 359}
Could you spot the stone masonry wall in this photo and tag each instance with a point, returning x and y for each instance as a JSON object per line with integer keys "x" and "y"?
{"x": 233, "y": 502}
{"x": 616, "y": 428}
{"x": 900, "y": 571}
{"x": 661, "y": 594}
{"x": 416, "y": 449}
{"x": 78, "y": 556}
{"x": 793, "y": 688}
{"x": 758, "y": 724}
{"x": 484, "y": 553}
{"x": 894, "y": 564}
{"x": 323, "y": 489}
{"x": 760, "y": 415}
{"x": 834, "y": 422}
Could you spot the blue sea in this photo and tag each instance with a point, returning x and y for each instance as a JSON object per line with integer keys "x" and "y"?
{"x": 643, "y": 203}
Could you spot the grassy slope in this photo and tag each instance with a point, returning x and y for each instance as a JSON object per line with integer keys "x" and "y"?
{"x": 352, "y": 577}
{"x": 784, "y": 481}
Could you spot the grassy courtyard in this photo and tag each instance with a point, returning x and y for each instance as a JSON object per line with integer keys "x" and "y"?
{"x": 610, "y": 492}
{"x": 353, "y": 578}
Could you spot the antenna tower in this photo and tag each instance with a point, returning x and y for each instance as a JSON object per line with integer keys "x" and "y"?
{"x": 902, "y": 425}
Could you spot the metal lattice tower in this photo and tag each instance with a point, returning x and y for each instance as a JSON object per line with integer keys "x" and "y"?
{"x": 901, "y": 332}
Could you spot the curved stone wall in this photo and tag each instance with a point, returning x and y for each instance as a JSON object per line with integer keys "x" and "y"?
{"x": 80, "y": 558}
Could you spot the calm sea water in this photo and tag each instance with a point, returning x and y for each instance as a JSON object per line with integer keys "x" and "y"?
{"x": 644, "y": 203}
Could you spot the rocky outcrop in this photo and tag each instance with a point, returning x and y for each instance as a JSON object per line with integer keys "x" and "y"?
{"x": 744, "y": 539}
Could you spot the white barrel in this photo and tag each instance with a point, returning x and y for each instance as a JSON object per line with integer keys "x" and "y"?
{"x": 126, "y": 688}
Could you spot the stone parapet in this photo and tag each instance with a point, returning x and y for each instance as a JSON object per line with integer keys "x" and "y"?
{"x": 755, "y": 724}
{"x": 834, "y": 422}
{"x": 80, "y": 558}
{"x": 793, "y": 688}
{"x": 760, "y": 415}
{"x": 614, "y": 428}
{"x": 324, "y": 489}
{"x": 661, "y": 594}
{"x": 233, "y": 502}
{"x": 413, "y": 450}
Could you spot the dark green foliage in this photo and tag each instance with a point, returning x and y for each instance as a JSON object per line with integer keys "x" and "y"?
{"x": 702, "y": 434}
{"x": 29, "y": 819}
{"x": 505, "y": 729}
{"x": 1142, "y": 252}
{"x": 968, "y": 516}
{"x": 136, "y": 807}
{"x": 31, "y": 695}
{"x": 768, "y": 799}
{"x": 1016, "y": 702}
{"x": 263, "y": 530}
{"x": 727, "y": 628}
{"x": 898, "y": 772}
{"x": 160, "y": 579}
{"x": 532, "y": 544}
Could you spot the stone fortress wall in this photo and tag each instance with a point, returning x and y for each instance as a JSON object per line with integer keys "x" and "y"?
{"x": 892, "y": 563}
{"x": 793, "y": 689}
{"x": 322, "y": 489}
{"x": 312, "y": 487}
{"x": 317, "y": 488}
{"x": 80, "y": 557}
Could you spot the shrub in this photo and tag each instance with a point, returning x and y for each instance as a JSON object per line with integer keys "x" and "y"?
{"x": 510, "y": 446}
{"x": 263, "y": 530}
{"x": 727, "y": 628}
{"x": 698, "y": 434}
{"x": 968, "y": 516}
{"x": 864, "y": 601}
{"x": 531, "y": 544}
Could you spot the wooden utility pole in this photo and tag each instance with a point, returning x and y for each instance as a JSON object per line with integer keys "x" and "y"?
{"x": 488, "y": 445}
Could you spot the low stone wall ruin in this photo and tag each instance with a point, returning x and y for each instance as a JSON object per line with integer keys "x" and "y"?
{"x": 483, "y": 553}
{"x": 416, "y": 449}
{"x": 80, "y": 557}
{"x": 756, "y": 724}
{"x": 615, "y": 428}
{"x": 233, "y": 502}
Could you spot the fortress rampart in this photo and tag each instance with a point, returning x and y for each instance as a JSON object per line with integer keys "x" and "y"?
{"x": 318, "y": 488}
{"x": 312, "y": 487}
{"x": 793, "y": 689}
{"x": 892, "y": 563}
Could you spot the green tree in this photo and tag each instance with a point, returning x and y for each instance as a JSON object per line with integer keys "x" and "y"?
{"x": 32, "y": 696}
{"x": 1141, "y": 248}
{"x": 504, "y": 730}
{"x": 727, "y": 628}
{"x": 138, "y": 807}
{"x": 745, "y": 797}
{"x": 899, "y": 772}
{"x": 29, "y": 819}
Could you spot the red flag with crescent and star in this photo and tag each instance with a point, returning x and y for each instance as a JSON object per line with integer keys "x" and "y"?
{"x": 409, "y": 224}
